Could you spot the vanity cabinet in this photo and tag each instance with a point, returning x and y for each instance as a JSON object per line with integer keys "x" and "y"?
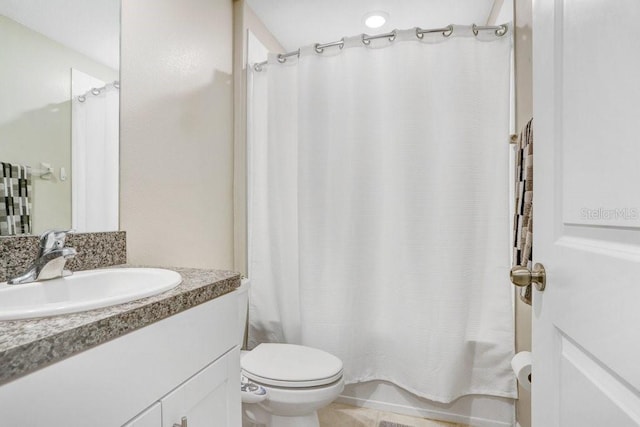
{"x": 208, "y": 399}
{"x": 186, "y": 365}
{"x": 152, "y": 417}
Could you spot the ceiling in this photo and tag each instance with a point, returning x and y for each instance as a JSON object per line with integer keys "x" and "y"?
{"x": 91, "y": 27}
{"x": 298, "y": 23}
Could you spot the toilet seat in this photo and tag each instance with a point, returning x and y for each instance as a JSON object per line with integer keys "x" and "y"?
{"x": 291, "y": 366}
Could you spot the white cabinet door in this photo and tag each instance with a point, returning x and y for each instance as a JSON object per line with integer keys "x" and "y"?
{"x": 152, "y": 417}
{"x": 211, "y": 398}
{"x": 586, "y": 326}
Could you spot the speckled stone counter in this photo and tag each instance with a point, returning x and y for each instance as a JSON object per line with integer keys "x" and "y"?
{"x": 27, "y": 345}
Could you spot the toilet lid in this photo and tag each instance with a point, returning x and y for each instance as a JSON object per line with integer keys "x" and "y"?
{"x": 290, "y": 365}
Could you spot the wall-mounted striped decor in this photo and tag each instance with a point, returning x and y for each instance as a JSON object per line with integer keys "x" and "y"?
{"x": 523, "y": 216}
{"x": 15, "y": 200}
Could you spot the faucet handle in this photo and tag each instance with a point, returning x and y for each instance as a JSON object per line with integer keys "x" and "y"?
{"x": 53, "y": 239}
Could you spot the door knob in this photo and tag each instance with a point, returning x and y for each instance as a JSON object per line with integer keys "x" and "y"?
{"x": 522, "y": 276}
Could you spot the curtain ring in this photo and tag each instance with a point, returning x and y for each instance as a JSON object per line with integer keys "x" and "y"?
{"x": 319, "y": 48}
{"x": 257, "y": 67}
{"x": 82, "y": 98}
{"x": 502, "y": 30}
{"x": 281, "y": 59}
{"x": 393, "y": 37}
{"x": 448, "y": 31}
{"x": 474, "y": 28}
{"x": 418, "y": 33}
{"x": 95, "y": 91}
{"x": 365, "y": 40}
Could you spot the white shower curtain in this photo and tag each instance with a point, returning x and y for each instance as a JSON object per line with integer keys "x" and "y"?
{"x": 95, "y": 161}
{"x": 379, "y": 216}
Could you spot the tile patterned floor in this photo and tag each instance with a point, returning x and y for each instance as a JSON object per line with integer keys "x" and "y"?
{"x": 339, "y": 415}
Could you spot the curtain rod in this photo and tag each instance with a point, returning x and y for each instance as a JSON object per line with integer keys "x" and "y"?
{"x": 499, "y": 30}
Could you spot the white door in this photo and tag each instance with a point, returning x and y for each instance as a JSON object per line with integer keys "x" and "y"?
{"x": 586, "y": 326}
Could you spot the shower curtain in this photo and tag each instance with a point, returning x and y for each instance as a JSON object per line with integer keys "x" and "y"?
{"x": 379, "y": 210}
{"x": 95, "y": 160}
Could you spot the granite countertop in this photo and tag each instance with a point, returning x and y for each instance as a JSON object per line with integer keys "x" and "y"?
{"x": 27, "y": 345}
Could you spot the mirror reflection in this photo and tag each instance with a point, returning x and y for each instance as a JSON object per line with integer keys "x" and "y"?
{"x": 59, "y": 100}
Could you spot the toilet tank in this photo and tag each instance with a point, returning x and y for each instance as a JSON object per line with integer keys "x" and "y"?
{"x": 243, "y": 309}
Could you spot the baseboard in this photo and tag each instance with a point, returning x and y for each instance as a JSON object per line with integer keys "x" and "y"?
{"x": 426, "y": 413}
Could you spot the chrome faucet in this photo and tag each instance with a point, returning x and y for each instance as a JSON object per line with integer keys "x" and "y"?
{"x": 51, "y": 259}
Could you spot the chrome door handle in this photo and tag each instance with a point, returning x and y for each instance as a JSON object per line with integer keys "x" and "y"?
{"x": 522, "y": 276}
{"x": 183, "y": 422}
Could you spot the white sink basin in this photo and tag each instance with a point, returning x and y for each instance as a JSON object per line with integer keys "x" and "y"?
{"x": 84, "y": 290}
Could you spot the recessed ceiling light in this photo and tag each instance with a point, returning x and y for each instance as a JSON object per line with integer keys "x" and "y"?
{"x": 375, "y": 19}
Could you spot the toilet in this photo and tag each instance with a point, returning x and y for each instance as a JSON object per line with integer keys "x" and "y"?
{"x": 284, "y": 385}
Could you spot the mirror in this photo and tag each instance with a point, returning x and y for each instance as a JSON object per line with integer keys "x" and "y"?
{"x": 59, "y": 100}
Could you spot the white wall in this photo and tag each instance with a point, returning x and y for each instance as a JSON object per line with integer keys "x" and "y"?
{"x": 176, "y": 173}
{"x": 245, "y": 20}
{"x": 35, "y": 113}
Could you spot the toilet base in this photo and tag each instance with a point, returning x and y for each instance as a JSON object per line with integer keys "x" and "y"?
{"x": 290, "y": 407}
